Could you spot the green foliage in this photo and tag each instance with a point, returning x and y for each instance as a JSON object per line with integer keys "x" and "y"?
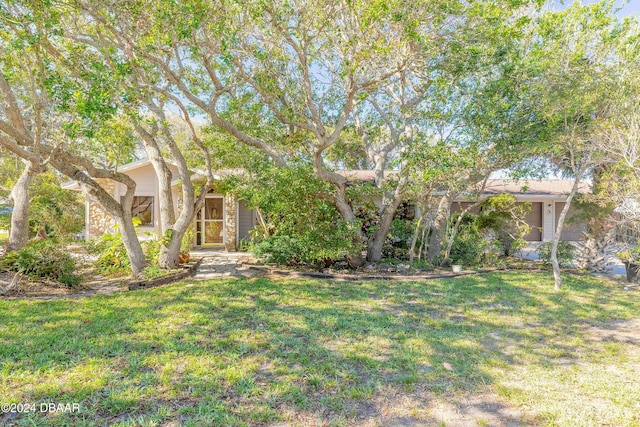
{"x": 399, "y": 239}
{"x": 43, "y": 259}
{"x": 151, "y": 246}
{"x": 56, "y": 211}
{"x": 279, "y": 249}
{"x": 113, "y": 257}
{"x": 317, "y": 246}
{"x": 631, "y": 256}
{"x": 153, "y": 271}
{"x": 300, "y": 225}
{"x": 500, "y": 225}
{"x": 53, "y": 212}
{"x": 470, "y": 245}
{"x": 565, "y": 253}
{"x": 187, "y": 240}
{"x": 506, "y": 219}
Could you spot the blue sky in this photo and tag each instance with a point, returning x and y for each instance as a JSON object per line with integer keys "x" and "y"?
{"x": 627, "y": 7}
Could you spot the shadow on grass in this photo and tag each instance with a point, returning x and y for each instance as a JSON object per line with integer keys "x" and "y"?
{"x": 255, "y": 352}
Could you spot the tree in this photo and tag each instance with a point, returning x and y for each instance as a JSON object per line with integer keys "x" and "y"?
{"x": 44, "y": 111}
{"x": 573, "y": 85}
{"x": 306, "y": 65}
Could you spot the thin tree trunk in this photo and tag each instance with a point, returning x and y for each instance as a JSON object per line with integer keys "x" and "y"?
{"x": 422, "y": 242}
{"x": 556, "y": 237}
{"x": 19, "y": 232}
{"x": 414, "y": 240}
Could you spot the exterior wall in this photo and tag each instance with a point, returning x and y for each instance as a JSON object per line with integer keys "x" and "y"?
{"x": 230, "y": 219}
{"x": 246, "y": 221}
{"x": 534, "y": 219}
{"x": 99, "y": 221}
{"x": 545, "y": 211}
{"x": 147, "y": 185}
{"x": 571, "y": 231}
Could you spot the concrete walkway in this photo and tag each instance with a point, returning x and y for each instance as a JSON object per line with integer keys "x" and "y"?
{"x": 217, "y": 263}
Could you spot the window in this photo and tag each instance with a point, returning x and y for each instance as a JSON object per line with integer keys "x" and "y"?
{"x": 142, "y": 207}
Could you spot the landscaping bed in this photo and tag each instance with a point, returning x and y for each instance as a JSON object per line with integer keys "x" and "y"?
{"x": 91, "y": 281}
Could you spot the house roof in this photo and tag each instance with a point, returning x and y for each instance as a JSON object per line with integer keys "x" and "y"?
{"x": 73, "y": 185}
{"x": 530, "y": 188}
{"x": 545, "y": 187}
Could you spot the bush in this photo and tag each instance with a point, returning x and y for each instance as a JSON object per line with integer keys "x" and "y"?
{"x": 279, "y": 250}
{"x": 469, "y": 246}
{"x": 113, "y": 256}
{"x": 44, "y": 259}
{"x": 565, "y": 253}
{"x": 319, "y": 246}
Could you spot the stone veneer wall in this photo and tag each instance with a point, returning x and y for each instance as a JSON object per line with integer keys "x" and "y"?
{"x": 231, "y": 213}
{"x": 100, "y": 221}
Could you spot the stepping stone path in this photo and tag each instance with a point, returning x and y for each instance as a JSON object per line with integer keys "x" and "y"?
{"x": 216, "y": 263}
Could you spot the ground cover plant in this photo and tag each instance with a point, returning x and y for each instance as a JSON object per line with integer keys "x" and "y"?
{"x": 308, "y": 352}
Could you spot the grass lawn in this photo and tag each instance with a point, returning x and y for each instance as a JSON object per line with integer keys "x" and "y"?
{"x": 307, "y": 352}
{"x": 4, "y": 236}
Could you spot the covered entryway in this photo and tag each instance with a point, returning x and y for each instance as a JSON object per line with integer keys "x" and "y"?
{"x": 210, "y": 222}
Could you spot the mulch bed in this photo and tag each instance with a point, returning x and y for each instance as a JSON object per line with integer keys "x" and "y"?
{"x": 47, "y": 290}
{"x": 186, "y": 270}
{"x": 364, "y": 275}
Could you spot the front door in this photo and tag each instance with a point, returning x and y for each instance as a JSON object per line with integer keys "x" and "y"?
{"x": 210, "y": 222}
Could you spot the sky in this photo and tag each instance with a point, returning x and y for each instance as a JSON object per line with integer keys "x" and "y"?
{"x": 627, "y": 7}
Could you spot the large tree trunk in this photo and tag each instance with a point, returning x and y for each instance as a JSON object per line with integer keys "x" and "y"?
{"x": 19, "y": 232}
{"x": 120, "y": 210}
{"x": 174, "y": 228}
{"x": 132, "y": 245}
{"x": 439, "y": 228}
{"x": 556, "y": 237}
{"x": 379, "y": 236}
{"x": 164, "y": 175}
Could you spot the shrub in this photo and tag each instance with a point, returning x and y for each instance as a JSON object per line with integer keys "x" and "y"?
{"x": 279, "y": 249}
{"x": 316, "y": 246}
{"x": 565, "y": 253}
{"x": 469, "y": 246}
{"x": 630, "y": 256}
{"x": 44, "y": 259}
{"x": 113, "y": 256}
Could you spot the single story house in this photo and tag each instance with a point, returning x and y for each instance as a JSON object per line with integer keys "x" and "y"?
{"x": 224, "y": 220}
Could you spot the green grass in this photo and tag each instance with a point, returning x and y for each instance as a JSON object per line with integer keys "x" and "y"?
{"x": 4, "y": 236}
{"x": 259, "y": 352}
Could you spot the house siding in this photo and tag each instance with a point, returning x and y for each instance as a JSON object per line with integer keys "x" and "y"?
{"x": 571, "y": 230}
{"x": 246, "y": 221}
{"x": 535, "y": 220}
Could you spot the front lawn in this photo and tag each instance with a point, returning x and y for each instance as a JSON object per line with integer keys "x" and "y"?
{"x": 488, "y": 349}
